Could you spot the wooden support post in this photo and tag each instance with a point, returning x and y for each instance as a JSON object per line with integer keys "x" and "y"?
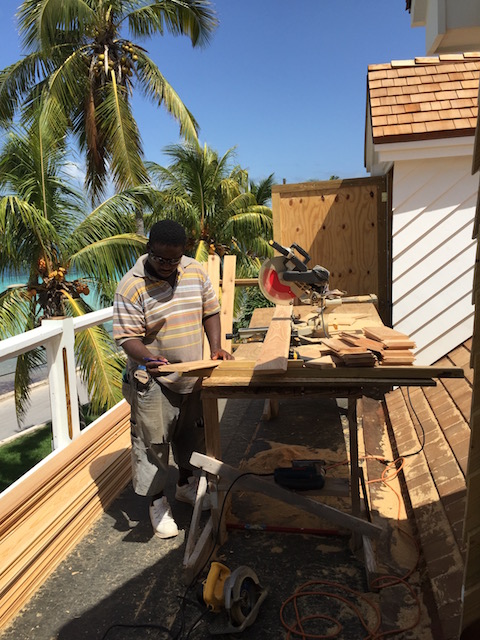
{"x": 354, "y": 471}
{"x": 227, "y": 300}
{"x": 213, "y": 448}
{"x": 356, "y": 541}
{"x": 270, "y": 409}
{"x": 197, "y": 512}
{"x": 213, "y": 270}
{"x": 212, "y": 426}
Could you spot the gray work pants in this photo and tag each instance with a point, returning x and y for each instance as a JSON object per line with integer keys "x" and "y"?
{"x": 161, "y": 418}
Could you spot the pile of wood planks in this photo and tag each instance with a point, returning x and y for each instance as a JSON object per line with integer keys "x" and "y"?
{"x": 47, "y": 512}
{"x": 370, "y": 347}
{"x": 396, "y": 345}
{"x": 350, "y": 355}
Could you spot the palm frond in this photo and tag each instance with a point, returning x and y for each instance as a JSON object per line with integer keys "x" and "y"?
{"x": 66, "y": 86}
{"x": 262, "y": 190}
{"x": 44, "y": 22}
{"x": 15, "y": 312}
{"x": 105, "y": 262}
{"x": 112, "y": 217}
{"x": 16, "y": 82}
{"x": 201, "y": 254}
{"x": 25, "y": 231}
{"x": 100, "y": 365}
{"x": 156, "y": 88}
{"x": 120, "y": 129}
{"x": 194, "y": 18}
{"x": 25, "y": 366}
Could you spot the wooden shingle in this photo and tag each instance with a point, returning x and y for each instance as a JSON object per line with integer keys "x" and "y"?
{"x": 424, "y": 98}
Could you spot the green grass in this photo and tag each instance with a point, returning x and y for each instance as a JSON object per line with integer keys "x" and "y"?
{"x": 20, "y": 455}
{"x": 23, "y": 453}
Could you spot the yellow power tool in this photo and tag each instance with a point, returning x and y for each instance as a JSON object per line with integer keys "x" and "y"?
{"x": 235, "y": 596}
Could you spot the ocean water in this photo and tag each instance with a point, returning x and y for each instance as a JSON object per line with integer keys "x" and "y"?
{"x": 7, "y": 368}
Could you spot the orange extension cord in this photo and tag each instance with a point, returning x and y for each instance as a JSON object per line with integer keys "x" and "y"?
{"x": 337, "y": 591}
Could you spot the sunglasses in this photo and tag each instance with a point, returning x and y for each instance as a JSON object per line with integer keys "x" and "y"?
{"x": 160, "y": 260}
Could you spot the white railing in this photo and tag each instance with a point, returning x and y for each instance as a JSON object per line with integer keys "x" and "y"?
{"x": 57, "y": 336}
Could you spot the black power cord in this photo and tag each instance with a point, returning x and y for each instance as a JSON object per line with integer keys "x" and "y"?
{"x": 183, "y": 598}
{"x": 217, "y": 535}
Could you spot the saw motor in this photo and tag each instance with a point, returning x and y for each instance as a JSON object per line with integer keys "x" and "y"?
{"x": 286, "y": 277}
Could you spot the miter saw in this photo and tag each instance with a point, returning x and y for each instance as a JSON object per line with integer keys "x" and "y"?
{"x": 234, "y": 597}
{"x": 286, "y": 277}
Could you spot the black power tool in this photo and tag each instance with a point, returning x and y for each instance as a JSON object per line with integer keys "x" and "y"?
{"x": 303, "y": 475}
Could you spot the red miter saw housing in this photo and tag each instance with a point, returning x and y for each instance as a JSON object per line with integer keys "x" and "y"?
{"x": 286, "y": 277}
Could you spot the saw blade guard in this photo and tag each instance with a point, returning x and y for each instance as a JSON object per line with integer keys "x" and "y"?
{"x": 243, "y": 597}
{"x": 272, "y": 285}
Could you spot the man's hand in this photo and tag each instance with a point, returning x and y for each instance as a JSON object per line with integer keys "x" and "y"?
{"x": 221, "y": 354}
{"x": 212, "y": 329}
{"x": 153, "y": 365}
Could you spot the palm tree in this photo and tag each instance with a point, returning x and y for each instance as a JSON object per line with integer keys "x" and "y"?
{"x": 46, "y": 235}
{"x": 81, "y": 62}
{"x": 262, "y": 190}
{"x": 211, "y": 198}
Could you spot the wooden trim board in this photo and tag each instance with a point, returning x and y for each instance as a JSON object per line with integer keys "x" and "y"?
{"x": 273, "y": 356}
{"x": 196, "y": 366}
{"x": 45, "y": 514}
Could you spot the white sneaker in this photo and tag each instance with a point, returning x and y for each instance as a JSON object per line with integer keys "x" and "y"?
{"x": 164, "y": 526}
{"x": 188, "y": 493}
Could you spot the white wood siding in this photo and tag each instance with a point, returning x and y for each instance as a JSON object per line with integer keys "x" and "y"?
{"x": 434, "y": 204}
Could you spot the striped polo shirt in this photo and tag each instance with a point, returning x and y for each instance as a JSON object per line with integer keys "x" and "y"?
{"x": 167, "y": 319}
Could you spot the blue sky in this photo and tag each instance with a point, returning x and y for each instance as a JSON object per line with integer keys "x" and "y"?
{"x": 283, "y": 81}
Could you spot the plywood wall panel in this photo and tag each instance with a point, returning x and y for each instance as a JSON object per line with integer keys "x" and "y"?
{"x": 337, "y": 223}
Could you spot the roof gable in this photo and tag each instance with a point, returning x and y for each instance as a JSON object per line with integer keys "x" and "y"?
{"x": 424, "y": 98}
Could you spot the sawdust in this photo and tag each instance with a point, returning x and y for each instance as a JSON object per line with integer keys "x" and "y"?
{"x": 280, "y": 455}
{"x": 266, "y": 511}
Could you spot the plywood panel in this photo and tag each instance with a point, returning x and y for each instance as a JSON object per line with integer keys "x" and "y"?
{"x": 341, "y": 224}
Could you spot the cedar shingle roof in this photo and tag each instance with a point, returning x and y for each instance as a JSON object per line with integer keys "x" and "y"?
{"x": 431, "y": 97}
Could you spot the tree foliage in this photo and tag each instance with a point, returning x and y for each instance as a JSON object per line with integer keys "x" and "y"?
{"x": 46, "y": 235}
{"x": 81, "y": 62}
{"x": 211, "y": 197}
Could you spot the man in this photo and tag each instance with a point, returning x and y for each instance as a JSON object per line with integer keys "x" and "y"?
{"x": 160, "y": 307}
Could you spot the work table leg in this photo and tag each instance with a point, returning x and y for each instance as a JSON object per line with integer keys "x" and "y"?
{"x": 212, "y": 427}
{"x": 354, "y": 471}
{"x": 213, "y": 449}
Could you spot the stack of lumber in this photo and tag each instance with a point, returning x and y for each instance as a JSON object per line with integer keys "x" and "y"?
{"x": 350, "y": 356}
{"x": 370, "y": 347}
{"x": 48, "y": 511}
{"x": 396, "y": 345}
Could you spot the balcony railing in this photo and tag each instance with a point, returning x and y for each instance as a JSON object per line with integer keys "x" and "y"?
{"x": 57, "y": 336}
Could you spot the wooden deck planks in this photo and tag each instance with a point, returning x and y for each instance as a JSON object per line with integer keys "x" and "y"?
{"x": 434, "y": 519}
{"x": 452, "y": 423}
{"x": 439, "y": 470}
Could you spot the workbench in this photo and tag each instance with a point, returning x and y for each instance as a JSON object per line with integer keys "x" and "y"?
{"x": 237, "y": 379}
